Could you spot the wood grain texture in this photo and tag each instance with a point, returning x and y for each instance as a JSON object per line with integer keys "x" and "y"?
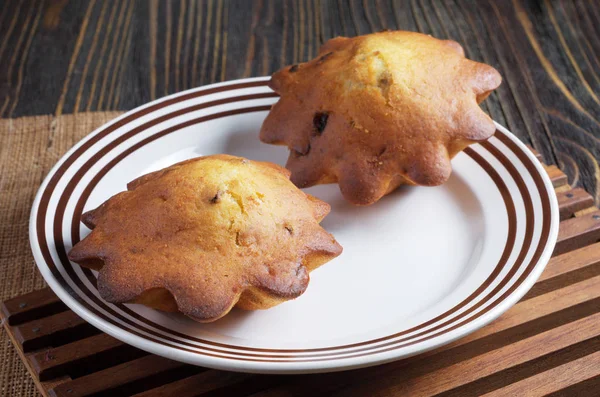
{"x": 35, "y": 334}
{"x": 572, "y": 201}
{"x": 61, "y": 56}
{"x": 31, "y": 306}
{"x": 61, "y": 360}
{"x": 553, "y": 380}
{"x": 145, "y": 370}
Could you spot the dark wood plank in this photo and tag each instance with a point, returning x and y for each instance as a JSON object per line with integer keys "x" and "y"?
{"x": 217, "y": 383}
{"x": 68, "y": 56}
{"x": 578, "y": 232}
{"x": 83, "y": 356}
{"x": 567, "y": 269}
{"x": 145, "y": 372}
{"x": 197, "y": 385}
{"x": 572, "y": 201}
{"x": 54, "y": 330}
{"x": 585, "y": 388}
{"x": 41, "y": 386}
{"x": 31, "y": 306}
{"x": 517, "y": 93}
{"x": 553, "y": 380}
{"x": 573, "y": 261}
{"x": 553, "y": 70}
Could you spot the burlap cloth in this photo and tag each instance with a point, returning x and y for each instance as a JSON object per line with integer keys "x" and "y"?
{"x": 29, "y": 147}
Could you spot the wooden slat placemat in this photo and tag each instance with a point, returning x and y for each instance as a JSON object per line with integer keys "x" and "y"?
{"x": 549, "y": 343}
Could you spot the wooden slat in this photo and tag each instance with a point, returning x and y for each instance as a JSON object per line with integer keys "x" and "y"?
{"x": 557, "y": 177}
{"x": 420, "y": 381}
{"x": 572, "y": 201}
{"x": 41, "y": 386}
{"x": 31, "y": 306}
{"x": 578, "y": 232}
{"x": 575, "y": 260}
{"x": 566, "y": 269}
{"x": 586, "y": 211}
{"x": 197, "y": 385}
{"x": 104, "y": 381}
{"x": 561, "y": 189}
{"x": 554, "y": 380}
{"x": 59, "y": 361}
{"x": 54, "y": 330}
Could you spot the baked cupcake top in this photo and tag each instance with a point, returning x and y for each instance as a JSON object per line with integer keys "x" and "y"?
{"x": 205, "y": 233}
{"x": 376, "y": 111}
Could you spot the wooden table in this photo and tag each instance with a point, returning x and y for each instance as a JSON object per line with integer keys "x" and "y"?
{"x": 60, "y": 56}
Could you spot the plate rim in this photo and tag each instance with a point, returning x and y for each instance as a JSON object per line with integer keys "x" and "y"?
{"x": 272, "y": 367}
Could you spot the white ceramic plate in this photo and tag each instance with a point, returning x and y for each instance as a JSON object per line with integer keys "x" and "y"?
{"x": 421, "y": 268}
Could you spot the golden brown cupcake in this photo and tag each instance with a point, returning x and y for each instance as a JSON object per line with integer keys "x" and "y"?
{"x": 205, "y": 235}
{"x": 377, "y": 111}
